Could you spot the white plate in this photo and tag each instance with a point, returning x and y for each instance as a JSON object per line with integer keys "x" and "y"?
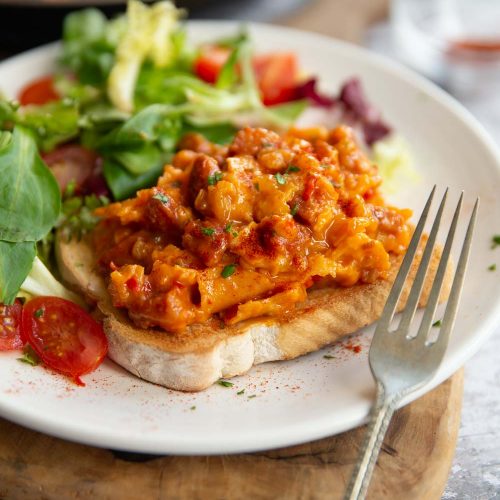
{"x": 311, "y": 397}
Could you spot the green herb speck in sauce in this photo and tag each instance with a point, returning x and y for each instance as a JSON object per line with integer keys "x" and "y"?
{"x": 228, "y": 270}
{"x": 437, "y": 323}
{"x": 214, "y": 179}
{"x": 161, "y": 197}
{"x": 239, "y": 393}
{"x": 493, "y": 267}
{"x": 38, "y": 313}
{"x": 495, "y": 241}
{"x": 280, "y": 178}
{"x": 208, "y": 231}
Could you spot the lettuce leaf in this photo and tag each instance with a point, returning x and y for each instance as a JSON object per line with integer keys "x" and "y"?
{"x": 16, "y": 260}
{"x": 30, "y": 199}
{"x": 40, "y": 281}
{"x": 89, "y": 44}
{"x": 148, "y": 35}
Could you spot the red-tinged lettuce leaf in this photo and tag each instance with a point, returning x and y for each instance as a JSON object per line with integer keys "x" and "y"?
{"x": 308, "y": 90}
{"x": 358, "y": 109}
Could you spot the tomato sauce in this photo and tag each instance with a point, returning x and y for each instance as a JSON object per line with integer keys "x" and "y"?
{"x": 242, "y": 231}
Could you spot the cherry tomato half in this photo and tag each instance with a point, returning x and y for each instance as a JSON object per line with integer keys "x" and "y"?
{"x": 210, "y": 61}
{"x": 276, "y": 73}
{"x": 10, "y": 327}
{"x": 277, "y": 76}
{"x": 38, "y": 92}
{"x": 64, "y": 336}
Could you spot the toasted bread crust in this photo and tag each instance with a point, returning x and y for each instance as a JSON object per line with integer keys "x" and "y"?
{"x": 194, "y": 359}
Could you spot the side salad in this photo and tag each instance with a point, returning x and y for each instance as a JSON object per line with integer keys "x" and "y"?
{"x": 103, "y": 126}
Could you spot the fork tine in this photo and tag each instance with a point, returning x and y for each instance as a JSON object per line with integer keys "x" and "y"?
{"x": 432, "y": 302}
{"x": 456, "y": 288}
{"x": 397, "y": 287}
{"x": 418, "y": 283}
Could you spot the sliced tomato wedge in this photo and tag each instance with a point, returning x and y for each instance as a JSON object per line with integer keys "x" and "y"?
{"x": 40, "y": 91}
{"x": 10, "y": 327}
{"x": 64, "y": 336}
{"x": 277, "y": 73}
{"x": 277, "y": 76}
{"x": 210, "y": 62}
{"x": 71, "y": 162}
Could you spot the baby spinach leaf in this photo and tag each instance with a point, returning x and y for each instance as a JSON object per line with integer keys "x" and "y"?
{"x": 16, "y": 260}
{"x": 30, "y": 199}
{"x": 123, "y": 184}
{"x": 222, "y": 133}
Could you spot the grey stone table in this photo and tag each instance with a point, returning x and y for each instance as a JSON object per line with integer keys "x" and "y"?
{"x": 475, "y": 473}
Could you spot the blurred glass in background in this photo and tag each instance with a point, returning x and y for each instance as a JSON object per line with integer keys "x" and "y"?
{"x": 456, "y": 43}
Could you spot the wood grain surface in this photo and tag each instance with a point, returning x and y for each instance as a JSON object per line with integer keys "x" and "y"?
{"x": 414, "y": 463}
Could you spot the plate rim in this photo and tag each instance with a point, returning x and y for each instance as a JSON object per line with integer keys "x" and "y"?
{"x": 311, "y": 429}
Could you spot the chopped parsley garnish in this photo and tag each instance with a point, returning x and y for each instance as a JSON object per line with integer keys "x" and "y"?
{"x": 239, "y": 393}
{"x": 495, "y": 241}
{"x": 208, "y": 231}
{"x": 252, "y": 396}
{"x": 192, "y": 408}
{"x": 294, "y": 209}
{"x": 161, "y": 197}
{"x": 266, "y": 144}
{"x": 225, "y": 383}
{"x": 256, "y": 186}
{"x": 228, "y": 270}
{"x": 329, "y": 356}
{"x": 493, "y": 267}
{"x": 437, "y": 323}
{"x": 228, "y": 229}
{"x": 292, "y": 168}
{"x": 325, "y": 165}
{"x": 38, "y": 313}
{"x": 29, "y": 356}
{"x": 280, "y": 178}
{"x": 214, "y": 178}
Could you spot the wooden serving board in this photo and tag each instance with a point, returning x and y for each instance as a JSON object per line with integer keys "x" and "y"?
{"x": 414, "y": 463}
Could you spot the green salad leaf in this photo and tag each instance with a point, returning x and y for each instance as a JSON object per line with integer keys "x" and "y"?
{"x": 123, "y": 184}
{"x": 51, "y": 124}
{"x": 16, "y": 260}
{"x": 40, "y": 281}
{"x": 148, "y": 34}
{"x": 89, "y": 44}
{"x": 30, "y": 199}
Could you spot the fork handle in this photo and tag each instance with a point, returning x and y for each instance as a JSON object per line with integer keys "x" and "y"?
{"x": 379, "y": 421}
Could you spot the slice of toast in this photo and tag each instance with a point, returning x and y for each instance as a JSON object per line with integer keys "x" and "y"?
{"x": 196, "y": 358}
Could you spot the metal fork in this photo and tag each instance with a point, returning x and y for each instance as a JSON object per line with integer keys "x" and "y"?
{"x": 400, "y": 364}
